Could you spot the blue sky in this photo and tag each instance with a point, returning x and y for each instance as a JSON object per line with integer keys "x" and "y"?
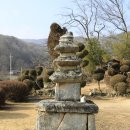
{"x": 30, "y": 18}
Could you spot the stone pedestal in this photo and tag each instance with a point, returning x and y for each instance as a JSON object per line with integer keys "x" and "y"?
{"x": 65, "y": 115}
{"x": 66, "y": 112}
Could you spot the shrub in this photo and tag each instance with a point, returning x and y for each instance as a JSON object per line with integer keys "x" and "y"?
{"x": 117, "y": 78}
{"x": 83, "y": 84}
{"x": 49, "y": 71}
{"x": 39, "y": 70}
{"x": 85, "y": 52}
{"x": 98, "y": 76}
{"x": 80, "y": 55}
{"x": 46, "y": 74}
{"x": 112, "y": 72}
{"x": 46, "y": 79}
{"x": 23, "y": 77}
{"x": 39, "y": 81}
{"x": 15, "y": 90}
{"x": 99, "y": 70}
{"x": 2, "y": 96}
{"x": 29, "y": 83}
{"x": 81, "y": 46}
{"x": 124, "y": 68}
{"x": 120, "y": 87}
{"x": 33, "y": 73}
{"x": 25, "y": 72}
{"x": 33, "y": 78}
{"x": 105, "y": 67}
{"x": 32, "y": 84}
{"x": 115, "y": 66}
{"x": 84, "y": 63}
{"x": 55, "y": 33}
{"x": 126, "y": 62}
{"x": 128, "y": 82}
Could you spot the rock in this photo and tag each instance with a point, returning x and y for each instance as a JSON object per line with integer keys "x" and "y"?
{"x": 113, "y": 93}
{"x": 83, "y": 99}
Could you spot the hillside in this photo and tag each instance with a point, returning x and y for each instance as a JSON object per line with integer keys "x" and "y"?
{"x": 44, "y": 41}
{"x": 24, "y": 54}
{"x": 36, "y": 41}
{"x": 108, "y": 41}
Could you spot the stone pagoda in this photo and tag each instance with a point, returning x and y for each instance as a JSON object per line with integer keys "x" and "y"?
{"x": 66, "y": 112}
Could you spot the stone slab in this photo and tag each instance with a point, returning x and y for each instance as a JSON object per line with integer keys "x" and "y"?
{"x": 61, "y": 121}
{"x": 66, "y": 106}
{"x": 73, "y": 121}
{"x": 48, "y": 121}
{"x": 91, "y": 122}
{"x": 67, "y": 91}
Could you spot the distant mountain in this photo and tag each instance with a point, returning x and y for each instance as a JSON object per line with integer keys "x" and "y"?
{"x": 79, "y": 39}
{"x": 24, "y": 54}
{"x": 44, "y": 41}
{"x": 36, "y": 41}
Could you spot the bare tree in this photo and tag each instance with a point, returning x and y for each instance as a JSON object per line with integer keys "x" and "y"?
{"x": 84, "y": 16}
{"x": 112, "y": 11}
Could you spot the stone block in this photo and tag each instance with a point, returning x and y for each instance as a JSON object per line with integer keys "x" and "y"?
{"x": 48, "y": 121}
{"x": 66, "y": 107}
{"x": 73, "y": 121}
{"x": 91, "y": 122}
{"x": 67, "y": 91}
{"x": 61, "y": 121}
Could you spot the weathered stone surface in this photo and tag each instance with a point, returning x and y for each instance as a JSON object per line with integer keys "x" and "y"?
{"x": 66, "y": 48}
{"x": 67, "y": 58}
{"x": 68, "y": 68}
{"x": 73, "y": 121}
{"x": 48, "y": 121}
{"x": 67, "y": 38}
{"x": 61, "y": 121}
{"x": 91, "y": 122}
{"x": 66, "y": 106}
{"x": 48, "y": 92}
{"x": 67, "y": 77}
{"x": 67, "y": 91}
{"x": 67, "y": 63}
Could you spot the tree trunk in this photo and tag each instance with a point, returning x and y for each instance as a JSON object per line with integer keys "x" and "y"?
{"x": 99, "y": 87}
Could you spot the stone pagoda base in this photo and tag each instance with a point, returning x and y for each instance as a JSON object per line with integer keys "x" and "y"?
{"x": 65, "y": 115}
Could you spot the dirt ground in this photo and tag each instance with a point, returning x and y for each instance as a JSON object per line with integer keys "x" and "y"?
{"x": 114, "y": 113}
{"x": 18, "y": 116}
